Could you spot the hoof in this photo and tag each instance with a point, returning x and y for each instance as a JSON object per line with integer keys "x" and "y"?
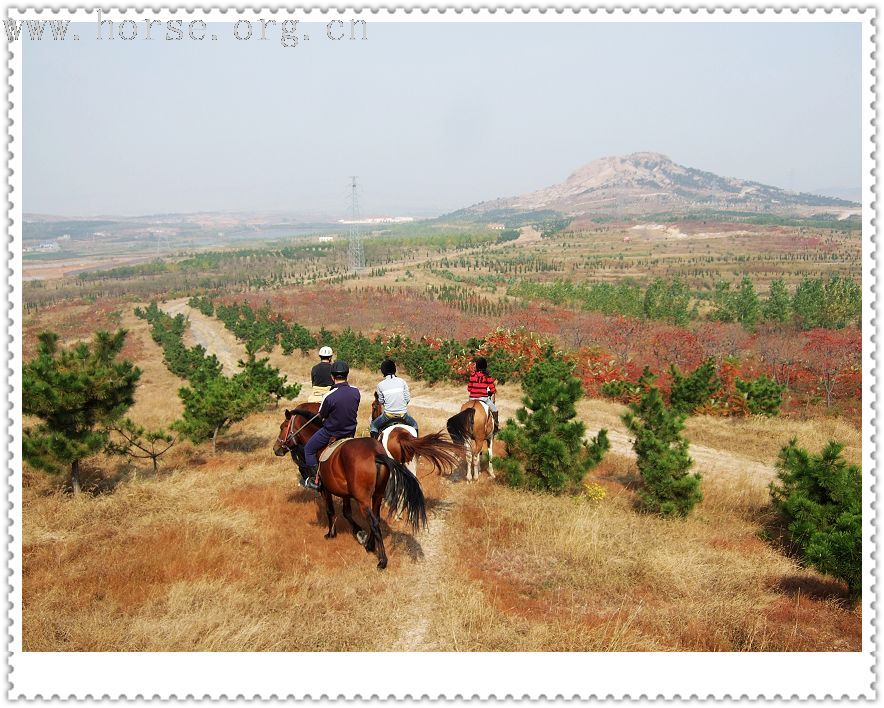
{"x": 382, "y": 564}
{"x": 330, "y": 536}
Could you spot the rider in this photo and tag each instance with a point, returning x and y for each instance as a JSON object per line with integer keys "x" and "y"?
{"x": 481, "y": 388}
{"x": 320, "y": 376}
{"x": 338, "y": 414}
{"x": 393, "y": 395}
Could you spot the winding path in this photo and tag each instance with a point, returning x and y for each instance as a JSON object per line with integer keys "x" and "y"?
{"x": 424, "y": 576}
{"x": 211, "y": 334}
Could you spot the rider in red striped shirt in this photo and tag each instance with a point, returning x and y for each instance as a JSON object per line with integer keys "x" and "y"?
{"x": 481, "y": 388}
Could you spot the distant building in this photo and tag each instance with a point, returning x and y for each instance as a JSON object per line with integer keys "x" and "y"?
{"x": 497, "y": 227}
{"x": 326, "y": 239}
{"x": 379, "y": 220}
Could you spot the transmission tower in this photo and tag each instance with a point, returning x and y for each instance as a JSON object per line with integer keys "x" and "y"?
{"x": 355, "y": 252}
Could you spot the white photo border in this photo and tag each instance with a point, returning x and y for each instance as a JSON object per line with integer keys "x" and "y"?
{"x": 834, "y": 675}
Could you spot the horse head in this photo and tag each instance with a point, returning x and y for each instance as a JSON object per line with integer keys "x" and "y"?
{"x": 299, "y": 424}
{"x": 376, "y": 408}
{"x": 281, "y": 446}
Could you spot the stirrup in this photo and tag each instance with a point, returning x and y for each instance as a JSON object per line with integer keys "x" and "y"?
{"x": 308, "y": 483}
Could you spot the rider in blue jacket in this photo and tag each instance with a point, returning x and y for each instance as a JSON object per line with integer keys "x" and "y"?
{"x": 338, "y": 414}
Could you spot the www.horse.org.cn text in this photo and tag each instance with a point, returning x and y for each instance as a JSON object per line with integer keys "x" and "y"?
{"x": 286, "y": 32}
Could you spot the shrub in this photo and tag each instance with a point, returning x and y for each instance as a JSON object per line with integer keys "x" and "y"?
{"x": 623, "y": 391}
{"x": 764, "y": 396}
{"x": 695, "y": 389}
{"x": 663, "y": 462}
{"x": 545, "y": 444}
{"x": 820, "y": 500}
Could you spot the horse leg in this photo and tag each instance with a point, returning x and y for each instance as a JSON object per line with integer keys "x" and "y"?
{"x": 374, "y": 519}
{"x": 348, "y": 514}
{"x": 490, "y": 455}
{"x": 370, "y": 539}
{"x": 330, "y": 513}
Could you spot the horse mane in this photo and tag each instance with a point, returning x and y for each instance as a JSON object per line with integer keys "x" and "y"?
{"x": 304, "y": 412}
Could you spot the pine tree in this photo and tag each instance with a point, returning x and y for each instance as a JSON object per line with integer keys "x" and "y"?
{"x": 820, "y": 500}
{"x": 76, "y": 393}
{"x": 778, "y": 306}
{"x": 763, "y": 395}
{"x": 261, "y": 376}
{"x": 135, "y": 441}
{"x": 695, "y": 389}
{"x": 663, "y": 462}
{"x": 546, "y": 449}
{"x": 214, "y": 405}
{"x": 746, "y": 305}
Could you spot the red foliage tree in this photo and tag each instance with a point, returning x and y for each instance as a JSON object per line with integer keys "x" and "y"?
{"x": 831, "y": 354}
{"x": 622, "y": 335}
{"x": 724, "y": 340}
{"x": 782, "y": 354}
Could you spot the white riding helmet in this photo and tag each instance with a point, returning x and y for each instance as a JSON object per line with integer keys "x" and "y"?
{"x": 325, "y": 351}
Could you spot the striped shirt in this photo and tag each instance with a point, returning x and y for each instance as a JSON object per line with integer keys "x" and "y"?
{"x": 481, "y": 385}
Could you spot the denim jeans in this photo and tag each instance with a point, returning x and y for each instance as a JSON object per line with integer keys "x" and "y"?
{"x": 383, "y": 419}
{"x": 487, "y": 399}
{"x": 317, "y": 441}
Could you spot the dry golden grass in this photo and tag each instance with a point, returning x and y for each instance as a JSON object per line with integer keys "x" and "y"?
{"x": 536, "y": 572}
{"x": 225, "y": 552}
{"x": 761, "y": 438}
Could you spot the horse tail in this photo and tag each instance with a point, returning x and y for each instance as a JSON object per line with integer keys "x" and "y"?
{"x": 404, "y": 486}
{"x": 443, "y": 453}
{"x": 460, "y": 426}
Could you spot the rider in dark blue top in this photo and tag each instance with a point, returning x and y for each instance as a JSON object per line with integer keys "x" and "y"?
{"x": 338, "y": 413}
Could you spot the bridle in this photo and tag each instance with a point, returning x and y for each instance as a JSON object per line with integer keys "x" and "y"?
{"x": 288, "y": 439}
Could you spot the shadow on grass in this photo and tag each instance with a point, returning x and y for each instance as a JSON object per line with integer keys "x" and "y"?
{"x": 242, "y": 442}
{"x": 398, "y": 539}
{"x": 813, "y": 588}
{"x": 96, "y": 481}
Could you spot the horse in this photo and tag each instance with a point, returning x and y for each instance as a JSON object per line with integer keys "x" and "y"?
{"x": 359, "y": 469}
{"x": 403, "y": 445}
{"x": 473, "y": 428}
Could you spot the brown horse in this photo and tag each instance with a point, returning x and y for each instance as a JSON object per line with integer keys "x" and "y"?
{"x": 358, "y": 469}
{"x": 473, "y": 428}
{"x": 404, "y": 446}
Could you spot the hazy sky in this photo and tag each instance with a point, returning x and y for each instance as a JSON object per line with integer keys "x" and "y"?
{"x": 429, "y": 116}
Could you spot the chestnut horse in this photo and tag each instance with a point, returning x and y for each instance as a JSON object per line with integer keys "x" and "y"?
{"x": 358, "y": 469}
{"x": 473, "y": 428}
{"x": 405, "y": 447}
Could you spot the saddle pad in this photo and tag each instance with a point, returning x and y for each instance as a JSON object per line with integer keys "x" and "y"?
{"x": 329, "y": 451}
{"x": 385, "y": 433}
{"x": 484, "y": 405}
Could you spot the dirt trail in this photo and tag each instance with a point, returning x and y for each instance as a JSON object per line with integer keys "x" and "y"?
{"x": 707, "y": 459}
{"x": 211, "y": 334}
{"x": 424, "y": 580}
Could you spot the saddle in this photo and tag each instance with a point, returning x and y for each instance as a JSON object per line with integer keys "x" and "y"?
{"x": 394, "y": 420}
{"x": 329, "y": 449}
{"x": 484, "y": 405}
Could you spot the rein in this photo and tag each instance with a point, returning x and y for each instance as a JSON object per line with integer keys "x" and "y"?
{"x": 290, "y": 435}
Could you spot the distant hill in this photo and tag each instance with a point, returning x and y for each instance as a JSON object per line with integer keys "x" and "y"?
{"x": 651, "y": 183}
